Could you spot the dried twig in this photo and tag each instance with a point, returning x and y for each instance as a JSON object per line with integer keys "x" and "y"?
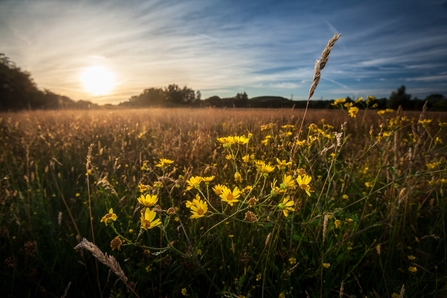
{"x": 107, "y": 260}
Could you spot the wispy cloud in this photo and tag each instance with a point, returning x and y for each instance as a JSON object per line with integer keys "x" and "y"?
{"x": 222, "y": 48}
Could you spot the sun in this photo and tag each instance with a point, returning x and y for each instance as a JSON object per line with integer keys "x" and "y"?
{"x": 98, "y": 80}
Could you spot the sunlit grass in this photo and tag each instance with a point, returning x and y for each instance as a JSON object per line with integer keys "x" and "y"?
{"x": 224, "y": 203}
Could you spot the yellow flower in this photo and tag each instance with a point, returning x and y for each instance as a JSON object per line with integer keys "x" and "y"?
{"x": 265, "y": 142}
{"x": 194, "y": 182}
{"x": 184, "y": 292}
{"x": 263, "y": 168}
{"x": 147, "y": 219}
{"x": 230, "y": 196}
{"x": 241, "y": 140}
{"x": 412, "y": 269}
{"x": 326, "y": 265}
{"x": 353, "y": 111}
{"x": 143, "y": 187}
{"x": 348, "y": 104}
{"x": 218, "y": 189}
{"x": 247, "y": 188}
{"x": 300, "y": 143}
{"x": 208, "y": 179}
{"x": 286, "y": 206}
{"x": 337, "y": 224}
{"x": 424, "y": 122}
{"x": 237, "y": 177}
{"x": 267, "y": 126}
{"x": 282, "y": 164}
{"x": 164, "y": 163}
{"x": 411, "y": 257}
{"x": 148, "y": 200}
{"x": 303, "y": 182}
{"x": 292, "y": 261}
{"x": 228, "y": 157}
{"x": 109, "y": 217}
{"x": 287, "y": 182}
{"x": 246, "y": 158}
{"x": 226, "y": 141}
{"x": 198, "y": 208}
{"x": 359, "y": 99}
{"x": 338, "y": 101}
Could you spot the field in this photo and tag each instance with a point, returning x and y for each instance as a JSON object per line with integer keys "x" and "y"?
{"x": 223, "y": 203}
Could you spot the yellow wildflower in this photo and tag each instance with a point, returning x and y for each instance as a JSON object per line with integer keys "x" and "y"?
{"x": 338, "y": 101}
{"x": 198, "y": 208}
{"x": 353, "y": 111}
{"x": 147, "y": 219}
{"x": 148, "y": 200}
{"x": 208, "y": 179}
{"x": 263, "y": 168}
{"x": 424, "y": 122}
{"x": 241, "y": 140}
{"x": 292, "y": 261}
{"x": 230, "y": 196}
{"x": 143, "y": 187}
{"x": 184, "y": 292}
{"x": 411, "y": 257}
{"x": 246, "y": 158}
{"x": 286, "y": 206}
{"x": 282, "y": 164}
{"x": 300, "y": 143}
{"x": 303, "y": 182}
{"x": 109, "y": 217}
{"x": 218, "y": 189}
{"x": 348, "y": 104}
{"x": 337, "y": 224}
{"x": 287, "y": 182}
{"x": 164, "y": 163}
{"x": 237, "y": 177}
{"x": 412, "y": 269}
{"x": 194, "y": 182}
{"x": 326, "y": 265}
{"x": 226, "y": 141}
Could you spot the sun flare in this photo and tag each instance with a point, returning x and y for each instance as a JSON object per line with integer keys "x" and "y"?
{"x": 98, "y": 80}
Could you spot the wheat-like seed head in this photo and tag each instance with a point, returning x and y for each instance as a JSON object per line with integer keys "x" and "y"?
{"x": 109, "y": 261}
{"x": 321, "y": 63}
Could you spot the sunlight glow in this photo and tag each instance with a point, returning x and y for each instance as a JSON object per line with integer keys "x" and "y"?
{"x": 98, "y": 80}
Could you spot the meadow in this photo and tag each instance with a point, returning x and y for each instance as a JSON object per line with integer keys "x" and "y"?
{"x": 223, "y": 203}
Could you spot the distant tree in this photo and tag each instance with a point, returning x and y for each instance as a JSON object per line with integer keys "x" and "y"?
{"x": 198, "y": 96}
{"x": 399, "y": 98}
{"x": 176, "y": 95}
{"x": 241, "y": 100}
{"x": 17, "y": 88}
{"x": 149, "y": 97}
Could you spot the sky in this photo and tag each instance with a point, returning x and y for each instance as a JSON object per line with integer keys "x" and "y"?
{"x": 221, "y": 48}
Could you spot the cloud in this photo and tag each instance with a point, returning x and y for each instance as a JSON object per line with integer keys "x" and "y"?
{"x": 213, "y": 46}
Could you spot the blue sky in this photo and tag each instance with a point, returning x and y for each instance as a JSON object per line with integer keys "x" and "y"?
{"x": 225, "y": 47}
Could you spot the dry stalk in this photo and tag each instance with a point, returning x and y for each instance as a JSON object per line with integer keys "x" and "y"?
{"x": 107, "y": 260}
{"x": 320, "y": 64}
{"x": 318, "y": 67}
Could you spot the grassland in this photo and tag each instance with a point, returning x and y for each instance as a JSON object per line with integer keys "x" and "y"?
{"x": 223, "y": 202}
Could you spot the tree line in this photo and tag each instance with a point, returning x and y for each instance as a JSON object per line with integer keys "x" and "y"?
{"x": 18, "y": 92}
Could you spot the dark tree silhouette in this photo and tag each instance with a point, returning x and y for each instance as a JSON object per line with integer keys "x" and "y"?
{"x": 399, "y": 98}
